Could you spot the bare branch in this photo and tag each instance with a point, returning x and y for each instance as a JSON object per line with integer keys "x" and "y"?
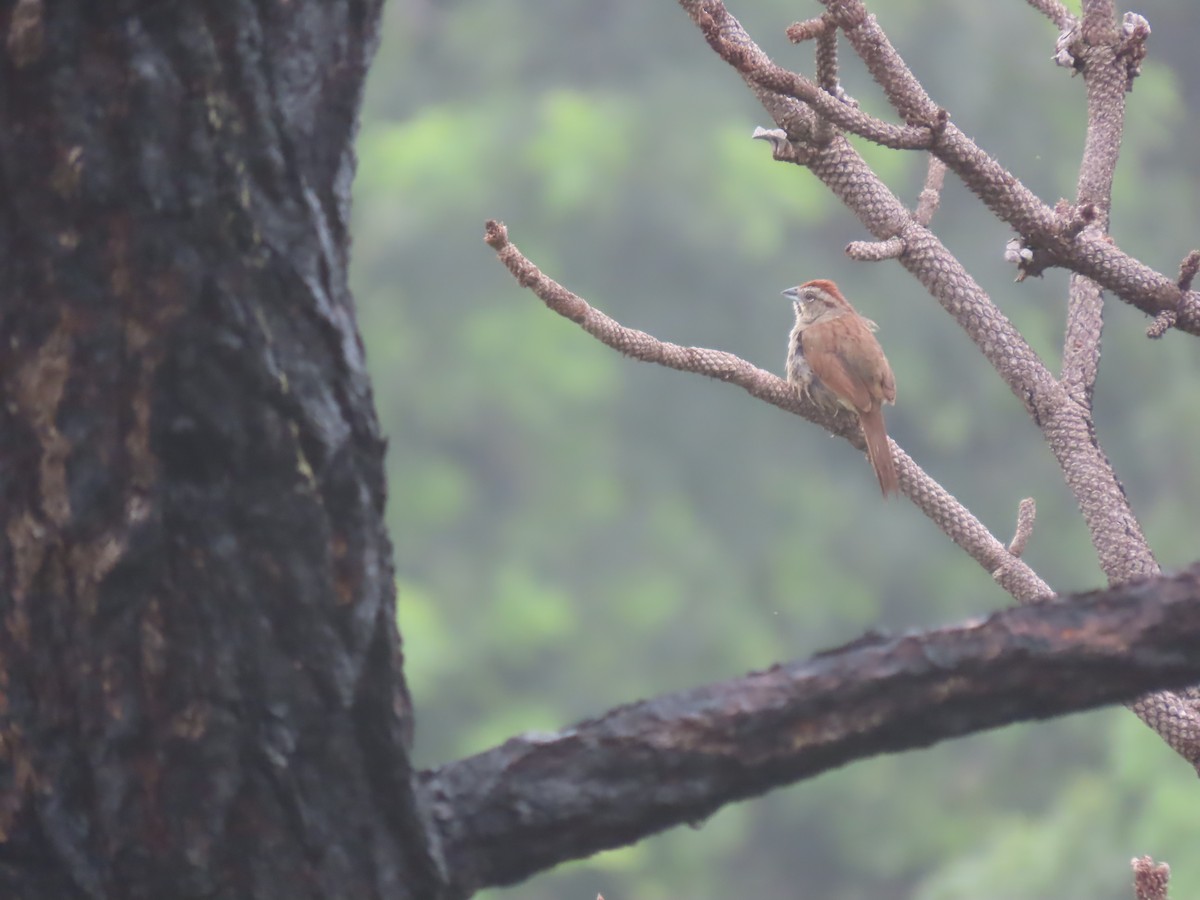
{"x": 1166, "y": 319}
{"x": 1026, "y": 513}
{"x": 1068, "y": 430}
{"x": 799, "y": 32}
{"x": 844, "y": 171}
{"x": 1099, "y": 21}
{"x": 827, "y": 78}
{"x": 756, "y": 67}
{"x": 1081, "y": 343}
{"x": 1114, "y": 529}
{"x": 1162, "y": 323}
{"x": 931, "y": 193}
{"x": 852, "y": 180}
{"x": 1000, "y": 190}
{"x": 1115, "y": 532}
{"x": 1054, "y": 11}
{"x": 1133, "y": 281}
{"x": 1188, "y": 269}
{"x": 1106, "y": 79}
{"x": 875, "y": 251}
{"x": 1150, "y": 879}
{"x": 1175, "y": 718}
{"x": 954, "y": 520}
{"x": 640, "y": 345}
{"x": 827, "y": 64}
{"x": 541, "y": 799}
{"x": 1092, "y": 255}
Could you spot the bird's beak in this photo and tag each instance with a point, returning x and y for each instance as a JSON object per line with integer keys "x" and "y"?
{"x": 791, "y": 293}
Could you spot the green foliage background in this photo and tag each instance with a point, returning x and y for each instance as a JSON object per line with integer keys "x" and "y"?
{"x": 575, "y": 530}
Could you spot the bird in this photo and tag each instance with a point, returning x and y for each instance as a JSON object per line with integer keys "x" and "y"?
{"x": 835, "y": 361}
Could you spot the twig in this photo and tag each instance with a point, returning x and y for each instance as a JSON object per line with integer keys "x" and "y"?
{"x": 875, "y": 251}
{"x": 827, "y": 62}
{"x": 827, "y": 77}
{"x": 799, "y": 32}
{"x": 1150, "y": 879}
{"x": 1188, "y": 269}
{"x": 1026, "y": 513}
{"x": 931, "y": 193}
{"x": 1166, "y": 319}
{"x": 1054, "y": 11}
{"x": 927, "y": 204}
{"x": 1105, "y": 77}
{"x": 1162, "y": 323}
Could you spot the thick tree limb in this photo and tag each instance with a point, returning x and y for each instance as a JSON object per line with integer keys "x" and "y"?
{"x": 539, "y": 800}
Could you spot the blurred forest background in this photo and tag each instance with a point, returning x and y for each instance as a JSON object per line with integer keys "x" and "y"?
{"x": 574, "y": 530}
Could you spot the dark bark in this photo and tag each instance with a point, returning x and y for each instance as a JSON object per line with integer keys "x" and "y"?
{"x": 200, "y": 685}
{"x": 200, "y": 681}
{"x": 539, "y": 800}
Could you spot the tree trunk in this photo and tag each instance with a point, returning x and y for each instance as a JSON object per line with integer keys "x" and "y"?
{"x": 200, "y": 683}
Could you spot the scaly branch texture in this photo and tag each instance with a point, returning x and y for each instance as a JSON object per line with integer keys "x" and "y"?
{"x": 541, "y": 799}
{"x": 1069, "y": 433}
{"x": 1105, "y": 75}
{"x": 1042, "y": 228}
{"x": 1068, "y": 237}
{"x": 1054, "y": 11}
{"x": 1150, "y": 880}
{"x": 954, "y": 520}
{"x": 1087, "y": 253}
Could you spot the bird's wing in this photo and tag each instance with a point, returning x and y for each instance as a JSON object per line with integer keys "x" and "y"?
{"x": 864, "y": 362}
{"x": 888, "y": 383}
{"x": 832, "y": 365}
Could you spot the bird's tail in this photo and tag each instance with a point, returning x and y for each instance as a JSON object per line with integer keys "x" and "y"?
{"x": 879, "y": 451}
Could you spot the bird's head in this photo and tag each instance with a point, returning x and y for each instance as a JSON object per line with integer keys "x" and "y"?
{"x": 817, "y": 300}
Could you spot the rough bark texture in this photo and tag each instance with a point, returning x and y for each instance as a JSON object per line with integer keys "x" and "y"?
{"x": 539, "y": 799}
{"x": 200, "y": 689}
{"x": 200, "y": 685}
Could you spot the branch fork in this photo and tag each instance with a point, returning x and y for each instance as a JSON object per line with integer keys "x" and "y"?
{"x": 812, "y": 121}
